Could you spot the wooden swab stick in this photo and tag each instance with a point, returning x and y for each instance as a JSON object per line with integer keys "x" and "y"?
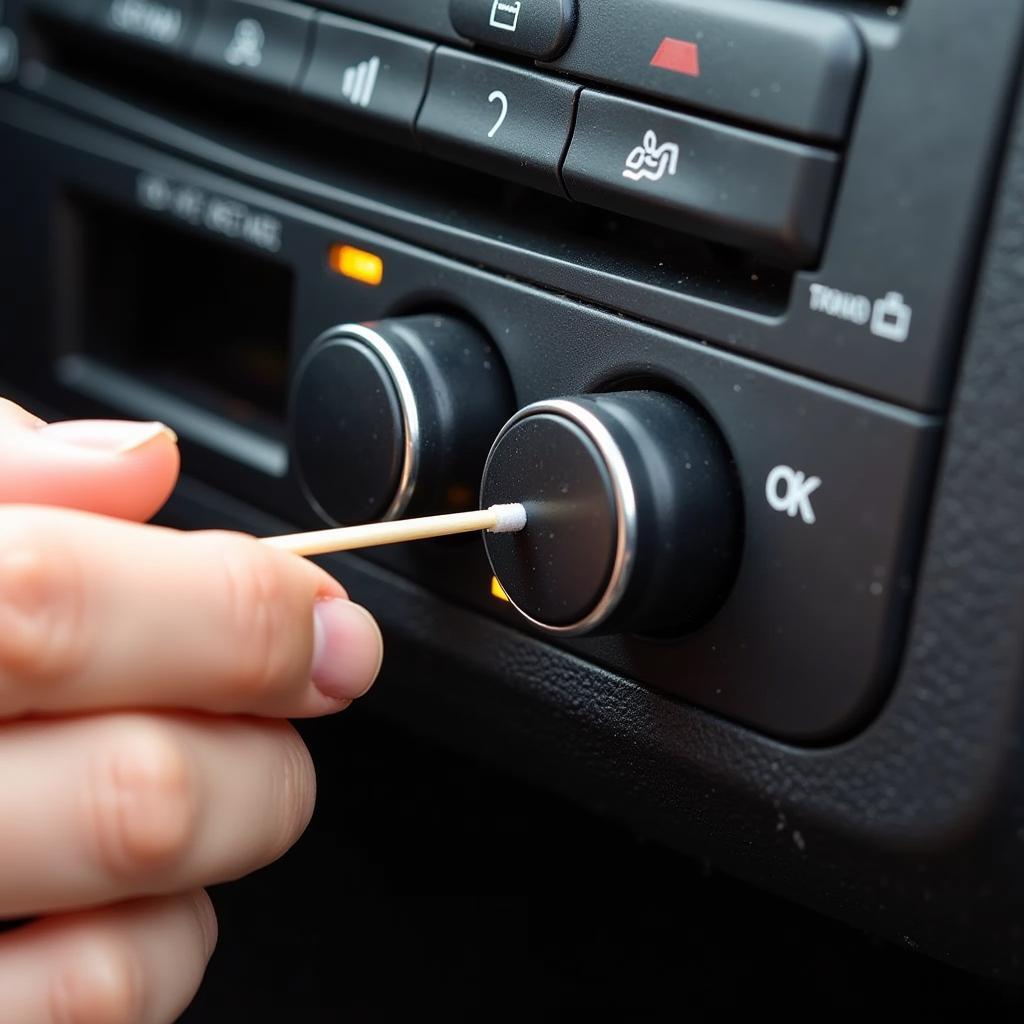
{"x": 496, "y": 519}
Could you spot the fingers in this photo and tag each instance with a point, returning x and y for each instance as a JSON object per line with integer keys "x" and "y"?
{"x": 122, "y": 469}
{"x": 105, "y": 808}
{"x": 137, "y": 963}
{"x": 96, "y": 613}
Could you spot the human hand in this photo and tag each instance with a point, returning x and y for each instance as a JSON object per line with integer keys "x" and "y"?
{"x": 142, "y": 673}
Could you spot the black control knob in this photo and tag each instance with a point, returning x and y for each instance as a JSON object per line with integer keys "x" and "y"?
{"x": 633, "y": 514}
{"x": 393, "y": 419}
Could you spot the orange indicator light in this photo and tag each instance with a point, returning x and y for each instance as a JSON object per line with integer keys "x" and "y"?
{"x": 358, "y": 264}
{"x": 497, "y": 590}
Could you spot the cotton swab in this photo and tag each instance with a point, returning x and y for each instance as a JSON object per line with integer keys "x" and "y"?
{"x": 496, "y": 519}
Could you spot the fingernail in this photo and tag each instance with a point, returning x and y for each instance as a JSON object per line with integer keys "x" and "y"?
{"x": 347, "y": 649}
{"x": 118, "y": 437}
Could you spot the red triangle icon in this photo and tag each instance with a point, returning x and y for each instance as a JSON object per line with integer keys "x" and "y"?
{"x": 679, "y": 56}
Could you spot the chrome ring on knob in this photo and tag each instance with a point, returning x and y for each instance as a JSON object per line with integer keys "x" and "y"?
{"x": 380, "y": 346}
{"x": 625, "y": 511}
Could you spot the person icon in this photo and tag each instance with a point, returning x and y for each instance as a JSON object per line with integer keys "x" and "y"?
{"x": 246, "y": 47}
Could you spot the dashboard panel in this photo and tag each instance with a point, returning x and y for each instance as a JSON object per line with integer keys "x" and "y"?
{"x": 725, "y": 292}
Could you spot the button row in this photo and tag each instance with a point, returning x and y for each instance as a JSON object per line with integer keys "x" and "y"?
{"x": 770, "y": 63}
{"x": 722, "y": 183}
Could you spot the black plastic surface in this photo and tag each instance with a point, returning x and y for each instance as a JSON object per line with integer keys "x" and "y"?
{"x": 367, "y": 75}
{"x": 718, "y": 182}
{"x": 73, "y": 10}
{"x": 787, "y": 66}
{"x": 266, "y": 41}
{"x": 482, "y": 928}
{"x": 498, "y": 118}
{"x": 221, "y": 345}
{"x": 531, "y": 28}
{"x": 425, "y": 17}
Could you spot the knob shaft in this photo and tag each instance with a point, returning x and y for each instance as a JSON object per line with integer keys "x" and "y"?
{"x": 393, "y": 418}
{"x": 634, "y": 518}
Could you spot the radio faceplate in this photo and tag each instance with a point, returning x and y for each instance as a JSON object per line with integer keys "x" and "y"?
{"x": 892, "y": 93}
{"x": 833, "y": 485}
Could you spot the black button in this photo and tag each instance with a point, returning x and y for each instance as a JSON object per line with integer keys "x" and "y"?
{"x": 497, "y": 118}
{"x": 534, "y": 28}
{"x": 787, "y": 66}
{"x": 633, "y": 514}
{"x": 559, "y": 567}
{"x": 422, "y": 17}
{"x": 266, "y": 41}
{"x": 368, "y": 74}
{"x": 167, "y": 24}
{"x": 724, "y": 184}
{"x": 394, "y": 418}
{"x": 343, "y": 393}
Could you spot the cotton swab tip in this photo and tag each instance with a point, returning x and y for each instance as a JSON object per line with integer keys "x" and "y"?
{"x": 511, "y": 518}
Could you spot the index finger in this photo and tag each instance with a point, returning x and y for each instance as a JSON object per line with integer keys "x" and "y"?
{"x": 98, "y": 614}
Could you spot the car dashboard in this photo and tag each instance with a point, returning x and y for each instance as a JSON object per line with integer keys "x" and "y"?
{"x": 726, "y": 293}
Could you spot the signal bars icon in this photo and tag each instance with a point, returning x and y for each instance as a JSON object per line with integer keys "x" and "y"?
{"x": 359, "y": 81}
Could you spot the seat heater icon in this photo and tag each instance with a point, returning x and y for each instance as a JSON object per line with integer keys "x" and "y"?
{"x": 650, "y": 161}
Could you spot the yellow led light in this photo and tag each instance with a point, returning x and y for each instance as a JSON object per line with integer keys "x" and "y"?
{"x": 357, "y": 264}
{"x": 497, "y": 590}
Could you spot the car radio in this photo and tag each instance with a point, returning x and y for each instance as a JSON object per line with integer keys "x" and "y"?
{"x": 691, "y": 278}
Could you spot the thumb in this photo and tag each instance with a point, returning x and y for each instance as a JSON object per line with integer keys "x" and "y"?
{"x": 112, "y": 467}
